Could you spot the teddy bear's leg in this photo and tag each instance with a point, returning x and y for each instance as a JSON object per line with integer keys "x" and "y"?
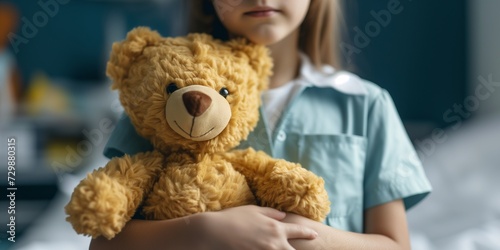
{"x": 107, "y": 198}
{"x": 206, "y": 186}
{"x": 283, "y": 185}
{"x": 173, "y": 195}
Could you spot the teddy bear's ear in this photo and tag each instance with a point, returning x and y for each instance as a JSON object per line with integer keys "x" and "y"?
{"x": 259, "y": 58}
{"x": 124, "y": 53}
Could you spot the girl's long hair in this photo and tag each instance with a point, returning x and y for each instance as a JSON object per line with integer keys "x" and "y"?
{"x": 319, "y": 32}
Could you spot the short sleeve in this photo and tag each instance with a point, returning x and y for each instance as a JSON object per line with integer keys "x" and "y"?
{"x": 393, "y": 169}
{"x": 125, "y": 140}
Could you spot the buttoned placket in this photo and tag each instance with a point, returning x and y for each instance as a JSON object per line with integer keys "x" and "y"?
{"x": 280, "y": 132}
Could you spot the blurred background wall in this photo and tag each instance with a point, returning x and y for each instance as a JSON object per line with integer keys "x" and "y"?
{"x": 432, "y": 56}
{"x": 417, "y": 50}
{"x": 485, "y": 50}
{"x": 75, "y": 42}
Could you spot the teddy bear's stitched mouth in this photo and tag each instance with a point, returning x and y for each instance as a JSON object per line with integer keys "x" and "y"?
{"x": 189, "y": 134}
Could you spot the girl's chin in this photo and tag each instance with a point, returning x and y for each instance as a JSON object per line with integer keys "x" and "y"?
{"x": 265, "y": 35}
{"x": 267, "y": 40}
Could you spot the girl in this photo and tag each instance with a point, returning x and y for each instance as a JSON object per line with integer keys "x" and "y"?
{"x": 337, "y": 125}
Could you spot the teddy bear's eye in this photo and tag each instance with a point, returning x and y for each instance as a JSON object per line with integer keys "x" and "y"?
{"x": 171, "y": 88}
{"x": 224, "y": 92}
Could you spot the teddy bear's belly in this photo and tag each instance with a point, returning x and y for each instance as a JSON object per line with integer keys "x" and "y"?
{"x": 189, "y": 189}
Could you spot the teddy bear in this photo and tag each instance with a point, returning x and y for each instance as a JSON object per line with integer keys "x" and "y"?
{"x": 195, "y": 98}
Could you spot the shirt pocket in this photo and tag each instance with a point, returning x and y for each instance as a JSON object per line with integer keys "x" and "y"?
{"x": 340, "y": 161}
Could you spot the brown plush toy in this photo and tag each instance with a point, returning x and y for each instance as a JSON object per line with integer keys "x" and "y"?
{"x": 195, "y": 98}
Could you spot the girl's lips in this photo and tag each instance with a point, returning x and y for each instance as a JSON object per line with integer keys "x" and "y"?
{"x": 261, "y": 12}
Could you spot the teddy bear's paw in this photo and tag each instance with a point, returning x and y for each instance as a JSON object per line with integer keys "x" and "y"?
{"x": 291, "y": 188}
{"x": 312, "y": 203}
{"x": 98, "y": 207}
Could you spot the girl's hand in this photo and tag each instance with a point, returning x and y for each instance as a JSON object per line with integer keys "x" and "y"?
{"x": 318, "y": 243}
{"x": 252, "y": 227}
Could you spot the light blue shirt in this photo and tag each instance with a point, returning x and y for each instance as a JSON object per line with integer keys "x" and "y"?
{"x": 344, "y": 129}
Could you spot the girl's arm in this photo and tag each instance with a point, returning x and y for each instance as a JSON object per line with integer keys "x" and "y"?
{"x": 142, "y": 234}
{"x": 246, "y": 227}
{"x": 385, "y": 228}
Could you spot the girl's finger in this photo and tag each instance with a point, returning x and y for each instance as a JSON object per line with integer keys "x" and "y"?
{"x": 272, "y": 213}
{"x": 294, "y": 231}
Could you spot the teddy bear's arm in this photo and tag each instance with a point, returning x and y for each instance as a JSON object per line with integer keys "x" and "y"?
{"x": 281, "y": 184}
{"x": 107, "y": 198}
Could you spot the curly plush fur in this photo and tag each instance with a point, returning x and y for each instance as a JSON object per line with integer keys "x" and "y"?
{"x": 195, "y": 98}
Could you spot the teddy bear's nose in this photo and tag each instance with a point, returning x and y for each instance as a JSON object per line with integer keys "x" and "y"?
{"x": 196, "y": 102}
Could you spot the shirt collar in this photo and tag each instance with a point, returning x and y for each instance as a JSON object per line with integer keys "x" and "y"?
{"x": 327, "y": 76}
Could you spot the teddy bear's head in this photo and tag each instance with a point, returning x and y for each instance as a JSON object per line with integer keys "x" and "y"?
{"x": 189, "y": 93}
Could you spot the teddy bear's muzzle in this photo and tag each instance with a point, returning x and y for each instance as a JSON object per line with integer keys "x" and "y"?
{"x": 197, "y": 112}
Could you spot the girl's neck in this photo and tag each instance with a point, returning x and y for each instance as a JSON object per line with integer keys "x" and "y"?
{"x": 286, "y": 60}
